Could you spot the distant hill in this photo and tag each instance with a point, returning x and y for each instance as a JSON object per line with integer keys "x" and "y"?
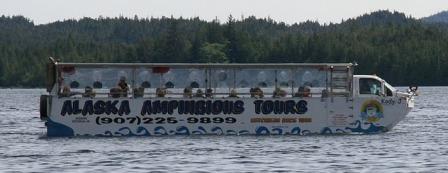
{"x": 441, "y": 17}
{"x": 381, "y": 17}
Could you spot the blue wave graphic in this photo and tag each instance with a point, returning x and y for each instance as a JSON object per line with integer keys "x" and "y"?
{"x": 278, "y": 130}
{"x": 340, "y": 131}
{"x": 159, "y": 130}
{"x": 106, "y": 134}
{"x": 182, "y": 130}
{"x": 121, "y": 131}
{"x": 201, "y": 130}
{"x": 243, "y": 132}
{"x": 326, "y": 131}
{"x": 261, "y": 130}
{"x": 295, "y": 131}
{"x": 145, "y": 131}
{"x": 306, "y": 132}
{"x": 231, "y": 132}
{"x": 218, "y": 130}
{"x": 372, "y": 128}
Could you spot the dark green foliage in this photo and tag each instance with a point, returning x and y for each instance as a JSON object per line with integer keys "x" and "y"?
{"x": 398, "y": 48}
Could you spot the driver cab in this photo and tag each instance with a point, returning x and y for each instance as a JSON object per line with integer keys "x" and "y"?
{"x": 371, "y": 86}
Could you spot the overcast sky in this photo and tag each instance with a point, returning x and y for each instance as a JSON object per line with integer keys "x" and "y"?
{"x": 289, "y": 11}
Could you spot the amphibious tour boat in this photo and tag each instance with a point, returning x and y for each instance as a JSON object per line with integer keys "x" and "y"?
{"x": 151, "y": 99}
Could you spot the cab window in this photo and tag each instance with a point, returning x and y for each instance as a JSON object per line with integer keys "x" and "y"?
{"x": 369, "y": 86}
{"x": 389, "y": 92}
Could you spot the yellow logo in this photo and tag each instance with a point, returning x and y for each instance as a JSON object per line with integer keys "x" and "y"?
{"x": 371, "y": 111}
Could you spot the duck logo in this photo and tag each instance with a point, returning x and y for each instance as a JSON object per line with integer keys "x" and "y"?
{"x": 371, "y": 111}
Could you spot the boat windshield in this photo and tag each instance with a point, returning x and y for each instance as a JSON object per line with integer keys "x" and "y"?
{"x": 198, "y": 80}
{"x": 389, "y": 89}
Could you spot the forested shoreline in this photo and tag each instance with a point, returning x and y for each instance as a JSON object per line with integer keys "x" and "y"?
{"x": 398, "y": 48}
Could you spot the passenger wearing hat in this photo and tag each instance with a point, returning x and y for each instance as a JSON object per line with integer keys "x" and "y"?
{"x": 188, "y": 92}
{"x": 88, "y": 92}
{"x": 233, "y": 93}
{"x": 123, "y": 86}
{"x": 66, "y": 92}
{"x": 199, "y": 93}
{"x": 209, "y": 93}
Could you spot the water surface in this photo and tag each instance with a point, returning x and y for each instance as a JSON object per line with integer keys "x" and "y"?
{"x": 418, "y": 143}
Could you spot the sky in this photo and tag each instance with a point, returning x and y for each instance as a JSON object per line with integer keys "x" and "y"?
{"x": 288, "y": 11}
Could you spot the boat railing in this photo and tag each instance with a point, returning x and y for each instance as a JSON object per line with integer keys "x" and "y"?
{"x": 130, "y": 95}
{"x": 217, "y": 80}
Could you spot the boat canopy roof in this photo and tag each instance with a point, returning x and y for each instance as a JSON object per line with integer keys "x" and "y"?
{"x": 205, "y": 65}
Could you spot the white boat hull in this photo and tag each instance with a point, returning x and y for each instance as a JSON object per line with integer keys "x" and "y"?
{"x": 226, "y": 116}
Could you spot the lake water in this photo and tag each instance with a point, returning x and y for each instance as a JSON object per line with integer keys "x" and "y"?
{"x": 418, "y": 143}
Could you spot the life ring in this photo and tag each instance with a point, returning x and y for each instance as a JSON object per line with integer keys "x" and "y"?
{"x": 413, "y": 88}
{"x": 43, "y": 107}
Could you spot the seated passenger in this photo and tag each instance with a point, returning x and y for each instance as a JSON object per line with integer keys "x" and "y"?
{"x": 115, "y": 92}
{"x": 258, "y": 92}
{"x": 88, "y": 92}
{"x": 209, "y": 93}
{"x": 160, "y": 92}
{"x": 307, "y": 92}
{"x": 300, "y": 92}
{"x": 199, "y": 94}
{"x": 188, "y": 92}
{"x": 123, "y": 86}
{"x": 303, "y": 91}
{"x": 138, "y": 92}
{"x": 278, "y": 93}
{"x": 66, "y": 92}
{"x": 233, "y": 94}
{"x": 252, "y": 92}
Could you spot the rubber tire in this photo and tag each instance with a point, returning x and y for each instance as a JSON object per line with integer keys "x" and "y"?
{"x": 43, "y": 107}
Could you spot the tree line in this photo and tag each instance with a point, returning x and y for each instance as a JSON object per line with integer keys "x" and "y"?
{"x": 398, "y": 48}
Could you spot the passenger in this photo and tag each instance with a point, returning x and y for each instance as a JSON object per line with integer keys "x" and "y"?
{"x": 303, "y": 91}
{"x": 252, "y": 92}
{"x": 209, "y": 93}
{"x": 258, "y": 93}
{"x": 115, "y": 92}
{"x": 307, "y": 92}
{"x": 66, "y": 92}
{"x": 188, "y": 92}
{"x": 88, "y": 92}
{"x": 123, "y": 86}
{"x": 161, "y": 92}
{"x": 138, "y": 92}
{"x": 199, "y": 93}
{"x": 278, "y": 93}
{"x": 233, "y": 94}
{"x": 299, "y": 92}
